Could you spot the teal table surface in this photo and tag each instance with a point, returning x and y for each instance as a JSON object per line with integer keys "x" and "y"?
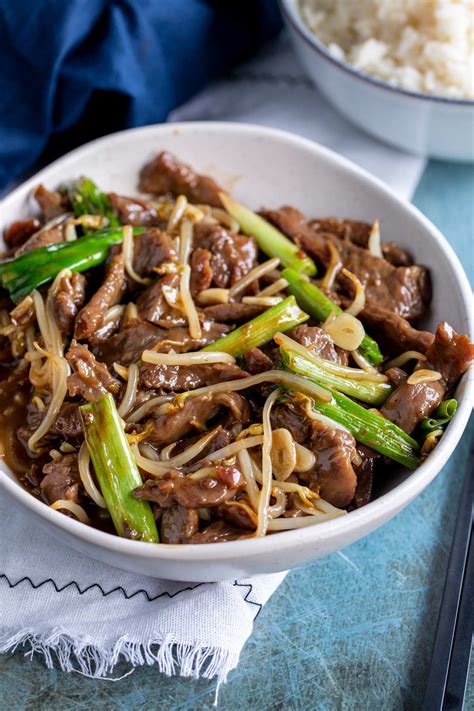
{"x": 352, "y": 631}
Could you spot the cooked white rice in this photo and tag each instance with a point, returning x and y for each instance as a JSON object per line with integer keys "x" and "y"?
{"x": 420, "y": 45}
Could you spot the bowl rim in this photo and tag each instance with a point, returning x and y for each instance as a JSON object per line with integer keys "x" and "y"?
{"x": 326, "y": 531}
{"x": 291, "y": 13}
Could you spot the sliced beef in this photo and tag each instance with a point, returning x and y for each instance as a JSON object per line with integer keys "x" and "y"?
{"x": 334, "y": 474}
{"x": 358, "y": 233}
{"x": 53, "y": 234}
{"x": 291, "y": 418}
{"x": 51, "y": 202}
{"x": 365, "y": 471}
{"x": 317, "y": 340}
{"x": 166, "y": 174}
{"x": 18, "y": 232}
{"x": 233, "y": 313}
{"x": 221, "y": 439}
{"x": 193, "y": 414}
{"x": 178, "y": 524}
{"x": 238, "y": 516}
{"x": 153, "y": 306}
{"x": 201, "y": 270}
{"x": 62, "y": 480}
{"x": 216, "y": 532}
{"x": 409, "y": 404}
{"x": 134, "y": 211}
{"x": 396, "y": 376}
{"x": 68, "y": 300}
{"x": 181, "y": 378}
{"x": 256, "y": 361}
{"x": 392, "y": 332}
{"x": 151, "y": 249}
{"x": 451, "y": 355}
{"x": 107, "y": 295}
{"x": 233, "y": 256}
{"x": 67, "y": 426}
{"x": 90, "y": 379}
{"x": 404, "y": 290}
{"x": 176, "y": 488}
{"x": 127, "y": 345}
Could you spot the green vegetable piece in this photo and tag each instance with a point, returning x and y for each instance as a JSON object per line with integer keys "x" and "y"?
{"x": 440, "y": 418}
{"x": 21, "y": 275}
{"x": 116, "y": 470}
{"x": 261, "y": 329}
{"x": 270, "y": 240}
{"x": 87, "y": 199}
{"x": 374, "y": 393}
{"x": 319, "y": 306}
{"x": 370, "y": 428}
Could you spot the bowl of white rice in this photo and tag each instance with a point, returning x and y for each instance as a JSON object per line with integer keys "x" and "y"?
{"x": 403, "y": 70}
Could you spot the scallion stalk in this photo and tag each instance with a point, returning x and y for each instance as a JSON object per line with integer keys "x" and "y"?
{"x": 261, "y": 329}
{"x": 21, "y": 275}
{"x": 116, "y": 470}
{"x": 87, "y": 199}
{"x": 374, "y": 393}
{"x": 270, "y": 240}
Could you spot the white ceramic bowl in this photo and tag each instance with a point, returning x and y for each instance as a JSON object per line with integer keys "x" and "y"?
{"x": 419, "y": 123}
{"x": 262, "y": 167}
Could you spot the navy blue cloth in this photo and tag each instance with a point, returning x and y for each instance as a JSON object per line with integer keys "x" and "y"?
{"x": 71, "y": 70}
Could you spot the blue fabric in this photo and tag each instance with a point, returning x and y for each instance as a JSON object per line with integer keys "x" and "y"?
{"x": 71, "y": 70}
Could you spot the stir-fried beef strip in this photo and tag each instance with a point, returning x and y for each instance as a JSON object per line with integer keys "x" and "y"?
{"x": 62, "y": 480}
{"x": 107, "y": 295}
{"x": 128, "y": 344}
{"x": 90, "y": 379}
{"x": 317, "y": 340}
{"x": 134, "y": 211}
{"x": 334, "y": 474}
{"x": 404, "y": 290}
{"x": 166, "y": 174}
{"x": 86, "y": 330}
{"x": 193, "y": 414}
{"x": 237, "y": 515}
{"x": 67, "y": 426}
{"x": 365, "y": 472}
{"x": 153, "y": 304}
{"x": 233, "y": 312}
{"x": 151, "y": 249}
{"x": 45, "y": 236}
{"x": 178, "y": 524}
{"x": 17, "y": 233}
{"x": 181, "y": 378}
{"x": 201, "y": 270}
{"x": 68, "y": 300}
{"x": 216, "y": 532}
{"x": 176, "y": 488}
{"x": 396, "y": 376}
{"x": 256, "y": 361}
{"x": 451, "y": 355}
{"x": 394, "y": 333}
{"x": 233, "y": 256}
{"x": 358, "y": 233}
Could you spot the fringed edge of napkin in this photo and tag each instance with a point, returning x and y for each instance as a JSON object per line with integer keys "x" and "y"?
{"x": 97, "y": 661}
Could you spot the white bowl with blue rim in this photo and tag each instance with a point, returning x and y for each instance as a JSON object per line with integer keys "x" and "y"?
{"x": 425, "y": 124}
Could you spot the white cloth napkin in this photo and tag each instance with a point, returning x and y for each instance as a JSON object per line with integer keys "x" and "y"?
{"x": 87, "y": 616}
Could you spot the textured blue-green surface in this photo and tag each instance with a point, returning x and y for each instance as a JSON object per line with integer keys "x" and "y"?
{"x": 352, "y": 631}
